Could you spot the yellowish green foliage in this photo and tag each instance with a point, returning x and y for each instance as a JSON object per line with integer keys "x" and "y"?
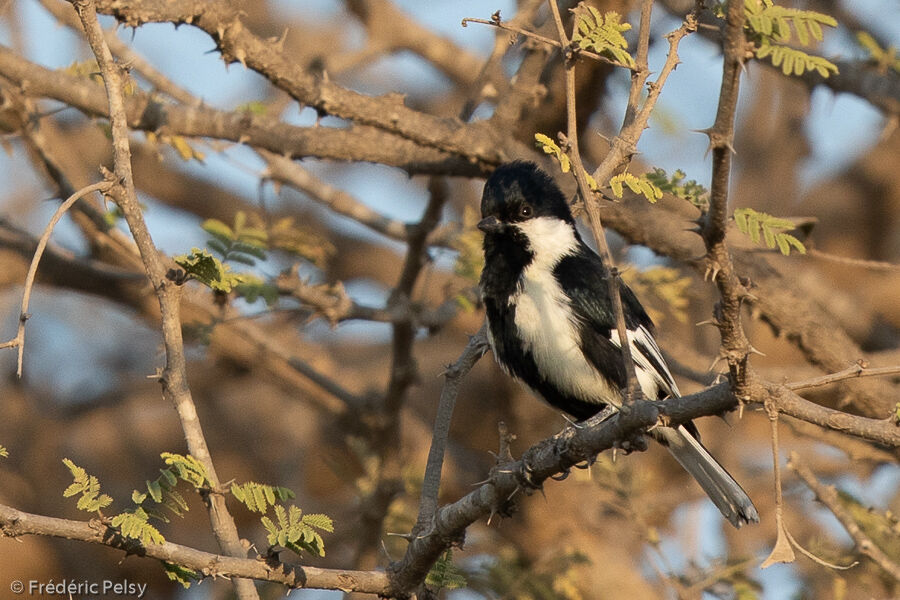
{"x": 209, "y": 270}
{"x": 793, "y": 61}
{"x": 297, "y": 532}
{"x": 548, "y": 146}
{"x": 663, "y": 291}
{"x": 4, "y": 452}
{"x": 88, "y": 486}
{"x": 134, "y": 524}
{"x": 602, "y": 33}
{"x": 444, "y": 574}
{"x": 770, "y": 26}
{"x": 884, "y": 58}
{"x": 258, "y": 497}
{"x": 641, "y": 185}
{"x": 751, "y": 222}
{"x": 676, "y": 185}
{"x": 178, "y": 143}
{"x": 162, "y": 490}
{"x": 254, "y": 107}
{"x": 180, "y": 574}
{"x": 245, "y": 241}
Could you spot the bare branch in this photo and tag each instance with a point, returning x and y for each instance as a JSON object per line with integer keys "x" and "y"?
{"x": 174, "y": 376}
{"x": 19, "y": 341}
{"x": 15, "y": 523}
{"x": 453, "y": 377}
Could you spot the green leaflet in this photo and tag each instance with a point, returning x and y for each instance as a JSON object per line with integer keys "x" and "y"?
{"x": 602, "y": 33}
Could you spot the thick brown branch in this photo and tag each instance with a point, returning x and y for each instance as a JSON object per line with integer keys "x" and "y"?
{"x": 735, "y": 346}
{"x": 358, "y": 143}
{"x": 238, "y": 44}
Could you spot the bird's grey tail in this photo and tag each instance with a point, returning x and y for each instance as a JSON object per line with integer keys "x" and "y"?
{"x": 728, "y": 496}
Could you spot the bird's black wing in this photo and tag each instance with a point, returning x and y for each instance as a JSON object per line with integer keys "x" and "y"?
{"x": 584, "y": 280}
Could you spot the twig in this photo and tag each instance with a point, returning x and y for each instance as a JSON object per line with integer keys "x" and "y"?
{"x": 782, "y": 552}
{"x": 19, "y": 341}
{"x": 174, "y": 376}
{"x": 827, "y": 495}
{"x": 856, "y": 371}
{"x": 624, "y": 145}
{"x": 14, "y": 523}
{"x": 642, "y": 69}
{"x": 875, "y": 265}
{"x": 507, "y": 26}
{"x": 882, "y": 431}
{"x": 632, "y": 387}
{"x": 127, "y": 54}
{"x": 453, "y": 377}
{"x": 386, "y": 434}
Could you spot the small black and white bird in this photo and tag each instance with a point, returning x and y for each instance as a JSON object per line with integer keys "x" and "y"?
{"x": 551, "y": 324}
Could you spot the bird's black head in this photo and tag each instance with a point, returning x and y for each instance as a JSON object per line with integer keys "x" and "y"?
{"x": 517, "y": 192}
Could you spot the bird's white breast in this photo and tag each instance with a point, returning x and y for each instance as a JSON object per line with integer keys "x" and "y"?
{"x": 545, "y": 320}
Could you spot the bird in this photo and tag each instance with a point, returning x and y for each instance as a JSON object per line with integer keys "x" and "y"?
{"x": 550, "y": 321}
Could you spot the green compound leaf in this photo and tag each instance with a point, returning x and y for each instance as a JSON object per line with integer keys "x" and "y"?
{"x": 771, "y": 26}
{"x": 297, "y": 532}
{"x": 180, "y": 574}
{"x": 751, "y": 222}
{"x": 134, "y": 524}
{"x": 209, "y": 270}
{"x": 88, "y": 486}
{"x": 444, "y": 574}
{"x": 602, "y": 33}
{"x": 546, "y": 144}
{"x": 641, "y": 185}
{"x": 258, "y": 497}
{"x": 676, "y": 185}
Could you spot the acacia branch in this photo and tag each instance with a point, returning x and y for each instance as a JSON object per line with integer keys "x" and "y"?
{"x": 735, "y": 346}
{"x": 15, "y": 523}
{"x": 174, "y": 376}
{"x": 828, "y": 496}
{"x": 453, "y": 377}
{"x": 222, "y": 22}
{"x": 357, "y": 143}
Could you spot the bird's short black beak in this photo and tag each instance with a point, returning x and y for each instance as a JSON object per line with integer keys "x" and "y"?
{"x": 489, "y": 224}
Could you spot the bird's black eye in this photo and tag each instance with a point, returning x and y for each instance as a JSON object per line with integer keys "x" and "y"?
{"x": 525, "y": 211}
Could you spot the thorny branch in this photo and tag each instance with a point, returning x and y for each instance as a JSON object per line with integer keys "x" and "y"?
{"x": 735, "y": 346}
{"x": 174, "y": 377}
